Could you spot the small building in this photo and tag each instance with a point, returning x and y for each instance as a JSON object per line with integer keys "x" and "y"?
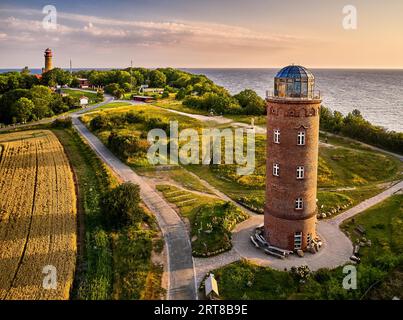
{"x": 145, "y": 89}
{"x": 83, "y": 83}
{"x": 143, "y": 98}
{"x": 83, "y": 101}
{"x": 211, "y": 287}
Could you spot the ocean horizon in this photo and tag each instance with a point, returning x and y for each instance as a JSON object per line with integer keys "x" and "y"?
{"x": 377, "y": 93}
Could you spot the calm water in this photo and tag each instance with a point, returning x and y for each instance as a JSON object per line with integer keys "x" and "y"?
{"x": 378, "y": 94}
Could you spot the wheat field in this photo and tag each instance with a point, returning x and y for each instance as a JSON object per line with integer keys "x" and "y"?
{"x": 37, "y": 217}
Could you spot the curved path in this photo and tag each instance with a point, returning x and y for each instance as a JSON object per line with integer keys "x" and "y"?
{"x": 181, "y": 273}
{"x": 337, "y": 247}
{"x": 180, "y": 265}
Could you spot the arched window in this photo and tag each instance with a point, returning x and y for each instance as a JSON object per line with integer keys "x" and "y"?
{"x": 301, "y": 138}
{"x": 300, "y": 172}
{"x": 276, "y": 170}
{"x": 299, "y": 204}
{"x": 276, "y": 136}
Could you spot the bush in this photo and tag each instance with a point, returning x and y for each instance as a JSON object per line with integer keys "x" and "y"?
{"x": 181, "y": 94}
{"x": 121, "y": 206}
{"x": 65, "y": 123}
{"x": 126, "y": 145}
{"x": 356, "y": 127}
{"x": 133, "y": 117}
{"x": 111, "y": 88}
{"x": 250, "y": 102}
{"x": 99, "y": 122}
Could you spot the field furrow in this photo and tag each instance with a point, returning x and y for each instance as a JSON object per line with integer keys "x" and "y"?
{"x": 38, "y": 228}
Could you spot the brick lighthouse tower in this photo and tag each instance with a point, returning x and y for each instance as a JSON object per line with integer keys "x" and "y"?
{"x": 292, "y": 160}
{"x": 48, "y": 60}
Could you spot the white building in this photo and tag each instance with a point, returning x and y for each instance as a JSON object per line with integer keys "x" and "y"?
{"x": 83, "y": 101}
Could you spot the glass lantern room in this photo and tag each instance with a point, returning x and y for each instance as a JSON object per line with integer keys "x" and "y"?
{"x": 294, "y": 82}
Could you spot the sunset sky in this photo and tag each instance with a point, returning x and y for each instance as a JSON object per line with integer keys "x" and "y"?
{"x": 208, "y": 33}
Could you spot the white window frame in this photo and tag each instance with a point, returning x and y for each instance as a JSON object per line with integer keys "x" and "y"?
{"x": 300, "y": 172}
{"x": 298, "y": 240}
{"x": 301, "y": 138}
{"x": 299, "y": 204}
{"x": 276, "y": 169}
{"x": 276, "y": 136}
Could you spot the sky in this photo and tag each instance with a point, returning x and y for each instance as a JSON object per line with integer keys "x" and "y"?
{"x": 203, "y": 33}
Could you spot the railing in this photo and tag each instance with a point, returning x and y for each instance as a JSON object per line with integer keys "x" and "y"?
{"x": 314, "y": 95}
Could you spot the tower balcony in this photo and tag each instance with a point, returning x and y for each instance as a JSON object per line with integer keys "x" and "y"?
{"x": 314, "y": 95}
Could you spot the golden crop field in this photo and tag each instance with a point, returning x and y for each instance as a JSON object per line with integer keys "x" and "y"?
{"x": 37, "y": 217}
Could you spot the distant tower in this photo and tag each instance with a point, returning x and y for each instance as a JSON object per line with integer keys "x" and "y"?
{"x": 292, "y": 159}
{"x": 48, "y": 60}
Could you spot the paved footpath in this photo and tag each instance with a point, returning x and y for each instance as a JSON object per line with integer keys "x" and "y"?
{"x": 181, "y": 272}
{"x": 337, "y": 220}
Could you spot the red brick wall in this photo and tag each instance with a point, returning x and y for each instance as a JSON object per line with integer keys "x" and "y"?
{"x": 282, "y": 220}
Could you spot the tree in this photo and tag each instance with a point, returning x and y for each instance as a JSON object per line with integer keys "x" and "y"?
{"x": 41, "y": 97}
{"x": 57, "y": 104}
{"x": 99, "y": 122}
{"x": 111, "y": 88}
{"x": 127, "y": 145}
{"x": 121, "y": 206}
{"x": 118, "y": 93}
{"x": 100, "y": 95}
{"x": 127, "y": 87}
{"x": 139, "y": 77}
{"x": 181, "y": 94}
{"x": 56, "y": 76}
{"x": 23, "y": 109}
{"x": 250, "y": 102}
{"x": 157, "y": 79}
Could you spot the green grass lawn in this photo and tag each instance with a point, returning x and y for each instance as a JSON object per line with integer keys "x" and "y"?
{"x": 111, "y": 265}
{"x": 171, "y": 103}
{"x": 348, "y": 172}
{"x": 177, "y": 174}
{"x": 113, "y": 105}
{"x": 92, "y": 96}
{"x": 381, "y": 266}
{"x": 347, "y": 175}
{"x": 211, "y": 219}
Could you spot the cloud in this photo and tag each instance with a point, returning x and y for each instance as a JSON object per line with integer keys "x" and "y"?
{"x": 99, "y": 31}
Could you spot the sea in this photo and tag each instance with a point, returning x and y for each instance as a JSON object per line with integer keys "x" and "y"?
{"x": 378, "y": 94}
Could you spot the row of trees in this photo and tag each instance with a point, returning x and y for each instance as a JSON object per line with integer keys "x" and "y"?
{"x": 355, "y": 126}
{"x": 196, "y": 91}
{"x": 25, "y": 80}
{"x": 245, "y": 102}
{"x": 23, "y": 105}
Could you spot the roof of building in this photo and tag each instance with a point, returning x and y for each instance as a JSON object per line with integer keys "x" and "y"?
{"x": 83, "y": 97}
{"x": 295, "y": 72}
{"x": 211, "y": 285}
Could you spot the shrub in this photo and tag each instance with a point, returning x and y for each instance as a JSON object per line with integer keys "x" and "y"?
{"x": 126, "y": 145}
{"x": 99, "y": 122}
{"x": 132, "y": 117}
{"x": 181, "y": 94}
{"x": 121, "y": 206}
{"x": 250, "y": 102}
{"x": 65, "y": 123}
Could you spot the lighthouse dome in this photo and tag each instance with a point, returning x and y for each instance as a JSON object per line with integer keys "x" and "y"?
{"x": 294, "y": 82}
